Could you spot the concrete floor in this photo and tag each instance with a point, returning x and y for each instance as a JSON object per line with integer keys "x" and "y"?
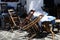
{"x": 16, "y": 35}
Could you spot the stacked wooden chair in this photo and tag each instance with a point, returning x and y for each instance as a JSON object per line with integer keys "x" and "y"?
{"x": 14, "y": 19}
{"x": 5, "y": 22}
{"x": 34, "y": 29}
{"x": 31, "y": 25}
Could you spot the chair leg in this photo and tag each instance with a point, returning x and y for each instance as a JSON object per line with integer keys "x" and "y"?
{"x": 12, "y": 29}
{"x": 49, "y": 30}
{"x": 52, "y": 33}
{"x": 37, "y": 28}
{"x": 32, "y": 36}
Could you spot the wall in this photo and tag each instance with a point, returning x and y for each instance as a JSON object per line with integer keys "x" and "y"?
{"x": 13, "y": 4}
{"x": 57, "y": 2}
{"x": 33, "y": 4}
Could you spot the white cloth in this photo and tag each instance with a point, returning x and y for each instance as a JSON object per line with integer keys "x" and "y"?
{"x": 47, "y": 18}
{"x": 36, "y": 5}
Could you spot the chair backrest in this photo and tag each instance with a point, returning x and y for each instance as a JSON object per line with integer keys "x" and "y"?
{"x": 10, "y": 13}
{"x": 27, "y": 19}
{"x": 36, "y": 20}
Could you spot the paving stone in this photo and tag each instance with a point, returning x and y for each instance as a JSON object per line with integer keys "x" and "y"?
{"x": 39, "y": 39}
{"x": 1, "y": 36}
{"x": 15, "y": 39}
{"x": 16, "y": 35}
{"x": 4, "y": 39}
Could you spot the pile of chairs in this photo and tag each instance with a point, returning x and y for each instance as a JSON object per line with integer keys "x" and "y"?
{"x": 28, "y": 24}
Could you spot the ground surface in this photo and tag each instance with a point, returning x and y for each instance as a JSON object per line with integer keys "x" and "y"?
{"x": 16, "y": 35}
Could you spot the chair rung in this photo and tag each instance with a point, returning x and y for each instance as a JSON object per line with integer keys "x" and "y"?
{"x": 15, "y": 17}
{"x": 32, "y": 36}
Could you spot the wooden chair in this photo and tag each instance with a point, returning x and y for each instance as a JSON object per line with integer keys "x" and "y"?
{"x": 48, "y": 27}
{"x": 32, "y": 27}
{"x": 6, "y": 22}
{"x": 27, "y": 19}
{"x": 14, "y": 19}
